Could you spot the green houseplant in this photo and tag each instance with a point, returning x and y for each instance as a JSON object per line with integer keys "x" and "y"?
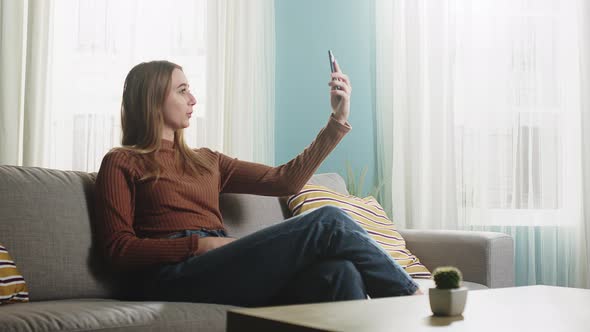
{"x": 448, "y": 298}
{"x": 355, "y": 183}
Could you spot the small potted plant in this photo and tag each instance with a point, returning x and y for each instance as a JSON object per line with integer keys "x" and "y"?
{"x": 448, "y": 298}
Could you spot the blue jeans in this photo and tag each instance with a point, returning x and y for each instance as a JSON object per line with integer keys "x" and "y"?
{"x": 319, "y": 256}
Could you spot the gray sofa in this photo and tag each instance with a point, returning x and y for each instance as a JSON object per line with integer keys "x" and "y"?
{"x": 46, "y": 225}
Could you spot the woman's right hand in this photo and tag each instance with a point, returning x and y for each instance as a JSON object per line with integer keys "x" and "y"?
{"x": 212, "y": 242}
{"x": 340, "y": 91}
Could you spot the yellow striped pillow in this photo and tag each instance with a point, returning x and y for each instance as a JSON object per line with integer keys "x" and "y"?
{"x": 13, "y": 288}
{"x": 367, "y": 213}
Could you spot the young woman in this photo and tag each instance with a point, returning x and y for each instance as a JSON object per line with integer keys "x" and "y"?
{"x": 158, "y": 211}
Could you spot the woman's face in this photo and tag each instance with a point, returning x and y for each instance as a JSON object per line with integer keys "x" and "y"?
{"x": 178, "y": 105}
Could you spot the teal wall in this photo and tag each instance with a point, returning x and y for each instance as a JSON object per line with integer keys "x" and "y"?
{"x": 305, "y": 30}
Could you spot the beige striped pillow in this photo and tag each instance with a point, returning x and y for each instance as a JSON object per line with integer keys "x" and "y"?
{"x": 367, "y": 213}
{"x": 13, "y": 288}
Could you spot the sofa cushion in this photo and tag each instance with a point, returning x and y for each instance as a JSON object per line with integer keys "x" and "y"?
{"x": 110, "y": 315}
{"x": 368, "y": 214}
{"x": 13, "y": 288}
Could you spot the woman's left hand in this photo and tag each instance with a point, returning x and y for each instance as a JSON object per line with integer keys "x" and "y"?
{"x": 340, "y": 98}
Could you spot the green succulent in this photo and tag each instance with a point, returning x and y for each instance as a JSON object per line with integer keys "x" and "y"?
{"x": 447, "y": 277}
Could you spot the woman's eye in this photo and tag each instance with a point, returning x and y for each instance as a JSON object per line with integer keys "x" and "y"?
{"x": 183, "y": 91}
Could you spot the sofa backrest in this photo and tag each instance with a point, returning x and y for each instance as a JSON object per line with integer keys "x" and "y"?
{"x": 46, "y": 225}
{"x": 244, "y": 214}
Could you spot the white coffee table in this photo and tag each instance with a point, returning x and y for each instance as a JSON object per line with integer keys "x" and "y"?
{"x": 530, "y": 308}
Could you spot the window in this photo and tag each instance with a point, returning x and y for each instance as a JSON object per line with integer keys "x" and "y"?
{"x": 513, "y": 128}
{"x": 94, "y": 45}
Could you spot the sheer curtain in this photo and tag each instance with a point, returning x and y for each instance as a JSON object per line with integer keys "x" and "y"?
{"x": 585, "y": 69}
{"x": 24, "y": 57}
{"x": 480, "y": 107}
{"x": 241, "y": 80}
{"x": 77, "y": 68}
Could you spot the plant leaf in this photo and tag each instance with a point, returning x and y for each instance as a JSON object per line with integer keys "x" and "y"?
{"x": 362, "y": 182}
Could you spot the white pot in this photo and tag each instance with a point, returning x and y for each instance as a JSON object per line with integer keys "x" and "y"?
{"x": 447, "y": 302}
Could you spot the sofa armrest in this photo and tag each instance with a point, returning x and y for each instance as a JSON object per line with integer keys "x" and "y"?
{"x": 486, "y": 258}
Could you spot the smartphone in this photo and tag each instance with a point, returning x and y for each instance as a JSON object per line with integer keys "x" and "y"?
{"x": 332, "y": 63}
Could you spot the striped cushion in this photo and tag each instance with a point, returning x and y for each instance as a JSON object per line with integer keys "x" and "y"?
{"x": 12, "y": 285}
{"x": 369, "y": 214}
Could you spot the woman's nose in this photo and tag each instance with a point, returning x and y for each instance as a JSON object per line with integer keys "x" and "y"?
{"x": 192, "y": 101}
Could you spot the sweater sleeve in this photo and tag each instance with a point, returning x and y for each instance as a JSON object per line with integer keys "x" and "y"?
{"x": 115, "y": 202}
{"x": 246, "y": 177}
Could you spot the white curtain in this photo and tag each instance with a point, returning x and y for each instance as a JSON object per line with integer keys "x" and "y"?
{"x": 241, "y": 80}
{"x": 481, "y": 107}
{"x": 414, "y": 112}
{"x": 24, "y": 56}
{"x": 69, "y": 59}
{"x": 585, "y": 70}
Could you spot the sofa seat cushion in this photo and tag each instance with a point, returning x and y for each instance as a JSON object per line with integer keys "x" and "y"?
{"x": 111, "y": 315}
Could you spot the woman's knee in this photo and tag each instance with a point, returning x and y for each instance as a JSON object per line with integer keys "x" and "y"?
{"x": 331, "y": 214}
{"x": 330, "y": 219}
{"x": 328, "y": 210}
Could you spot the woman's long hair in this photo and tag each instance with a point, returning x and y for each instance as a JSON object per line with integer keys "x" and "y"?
{"x": 145, "y": 90}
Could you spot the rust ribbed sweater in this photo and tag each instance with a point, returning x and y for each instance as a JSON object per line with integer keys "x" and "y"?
{"x": 133, "y": 217}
